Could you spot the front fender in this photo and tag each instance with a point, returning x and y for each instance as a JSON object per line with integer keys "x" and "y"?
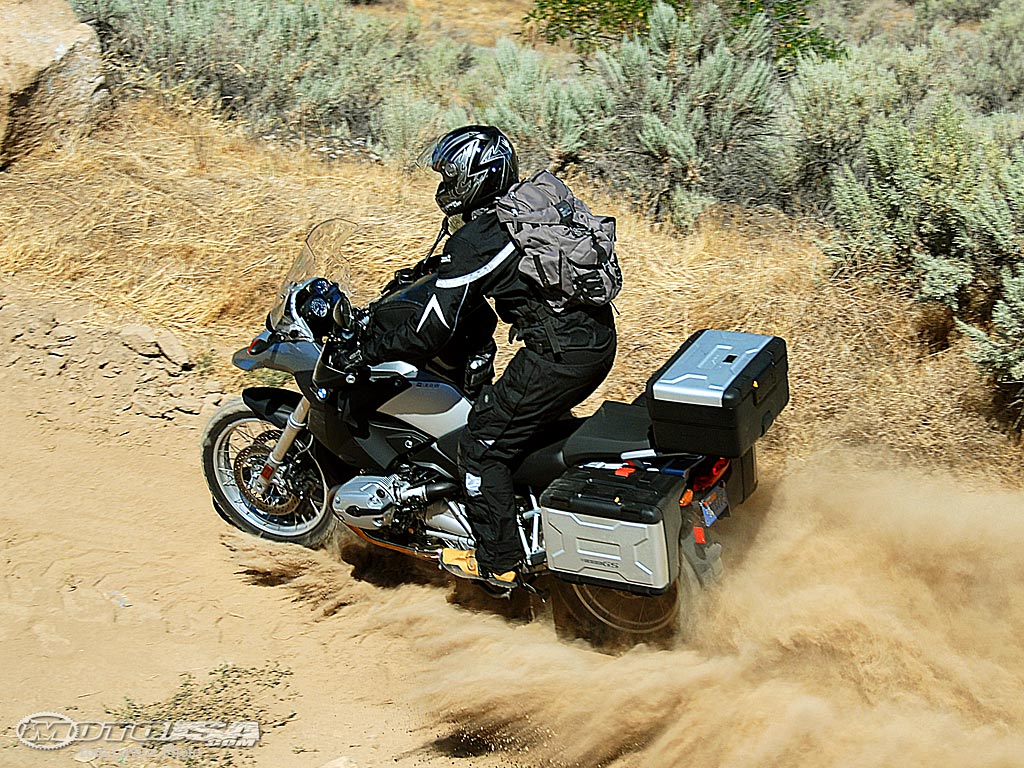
{"x": 271, "y": 403}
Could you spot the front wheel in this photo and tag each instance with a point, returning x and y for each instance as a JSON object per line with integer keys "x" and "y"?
{"x": 294, "y": 508}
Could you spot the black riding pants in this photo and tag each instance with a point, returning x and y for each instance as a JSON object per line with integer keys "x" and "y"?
{"x": 532, "y": 392}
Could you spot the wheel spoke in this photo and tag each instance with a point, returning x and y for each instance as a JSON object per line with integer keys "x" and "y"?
{"x": 309, "y": 481}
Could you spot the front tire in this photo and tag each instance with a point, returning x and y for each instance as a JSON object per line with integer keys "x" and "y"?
{"x": 293, "y": 509}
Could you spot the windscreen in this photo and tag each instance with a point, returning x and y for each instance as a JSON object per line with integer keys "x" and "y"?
{"x": 322, "y": 255}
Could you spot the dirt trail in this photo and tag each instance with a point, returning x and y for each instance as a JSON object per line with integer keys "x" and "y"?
{"x": 116, "y": 579}
{"x": 868, "y": 618}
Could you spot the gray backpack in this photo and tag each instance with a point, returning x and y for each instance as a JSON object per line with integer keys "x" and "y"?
{"x": 568, "y": 251}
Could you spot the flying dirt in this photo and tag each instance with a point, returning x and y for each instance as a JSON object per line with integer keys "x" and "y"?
{"x": 873, "y": 621}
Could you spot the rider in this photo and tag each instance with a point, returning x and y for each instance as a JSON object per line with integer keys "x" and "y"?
{"x": 566, "y": 355}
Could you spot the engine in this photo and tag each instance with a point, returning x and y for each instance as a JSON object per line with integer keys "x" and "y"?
{"x": 379, "y": 503}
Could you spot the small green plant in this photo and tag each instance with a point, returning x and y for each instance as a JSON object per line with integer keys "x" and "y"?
{"x": 230, "y": 694}
{"x": 205, "y": 361}
{"x": 271, "y": 378}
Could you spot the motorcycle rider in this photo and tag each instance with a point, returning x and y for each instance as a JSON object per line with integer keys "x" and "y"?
{"x": 565, "y": 356}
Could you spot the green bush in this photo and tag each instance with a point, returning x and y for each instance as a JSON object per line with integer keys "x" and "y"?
{"x": 694, "y": 108}
{"x": 593, "y": 24}
{"x": 316, "y": 64}
{"x": 1002, "y": 353}
{"x": 997, "y": 76}
{"x": 858, "y": 21}
{"x": 675, "y": 119}
{"x": 938, "y": 203}
{"x": 405, "y": 123}
{"x": 590, "y": 24}
{"x": 547, "y": 117}
{"x": 794, "y": 33}
{"x": 834, "y": 102}
{"x": 954, "y": 10}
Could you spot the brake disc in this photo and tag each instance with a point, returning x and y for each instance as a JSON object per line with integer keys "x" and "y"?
{"x": 250, "y": 462}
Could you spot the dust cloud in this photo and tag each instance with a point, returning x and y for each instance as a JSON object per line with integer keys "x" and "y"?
{"x": 867, "y": 618}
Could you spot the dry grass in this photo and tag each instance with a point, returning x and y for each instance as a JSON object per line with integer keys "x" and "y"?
{"x": 183, "y": 222}
{"x": 480, "y": 22}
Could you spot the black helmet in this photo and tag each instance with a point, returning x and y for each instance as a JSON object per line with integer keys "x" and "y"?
{"x": 477, "y": 164}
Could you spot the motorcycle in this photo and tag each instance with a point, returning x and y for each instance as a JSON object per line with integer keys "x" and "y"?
{"x": 613, "y": 516}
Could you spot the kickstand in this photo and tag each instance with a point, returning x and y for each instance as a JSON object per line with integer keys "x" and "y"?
{"x": 528, "y": 586}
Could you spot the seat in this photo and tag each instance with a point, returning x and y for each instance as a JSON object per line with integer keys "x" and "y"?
{"x": 542, "y": 461}
{"x": 614, "y": 429}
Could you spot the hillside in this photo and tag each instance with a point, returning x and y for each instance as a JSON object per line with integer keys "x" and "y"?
{"x": 190, "y": 225}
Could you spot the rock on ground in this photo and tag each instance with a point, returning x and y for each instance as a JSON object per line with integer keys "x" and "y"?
{"x": 51, "y": 80}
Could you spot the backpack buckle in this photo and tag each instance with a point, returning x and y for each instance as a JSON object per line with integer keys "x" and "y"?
{"x": 565, "y": 211}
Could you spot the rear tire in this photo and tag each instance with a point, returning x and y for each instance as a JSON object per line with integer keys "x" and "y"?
{"x": 294, "y": 509}
{"x": 613, "y": 619}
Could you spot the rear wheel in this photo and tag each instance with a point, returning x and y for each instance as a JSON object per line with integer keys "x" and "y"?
{"x": 294, "y": 508}
{"x": 613, "y": 618}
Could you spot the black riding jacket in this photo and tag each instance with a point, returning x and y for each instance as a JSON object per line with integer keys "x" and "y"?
{"x": 480, "y": 262}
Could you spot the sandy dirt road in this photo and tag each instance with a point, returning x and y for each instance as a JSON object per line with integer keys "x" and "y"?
{"x": 870, "y": 617}
{"x": 117, "y": 581}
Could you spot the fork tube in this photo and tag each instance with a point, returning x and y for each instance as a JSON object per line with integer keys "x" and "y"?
{"x": 296, "y": 423}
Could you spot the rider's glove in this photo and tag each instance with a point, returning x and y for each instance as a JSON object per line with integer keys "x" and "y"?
{"x": 406, "y": 276}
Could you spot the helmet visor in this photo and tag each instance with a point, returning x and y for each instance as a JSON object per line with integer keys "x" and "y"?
{"x": 427, "y": 158}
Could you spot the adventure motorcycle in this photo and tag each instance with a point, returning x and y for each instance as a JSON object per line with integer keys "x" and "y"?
{"x": 617, "y": 507}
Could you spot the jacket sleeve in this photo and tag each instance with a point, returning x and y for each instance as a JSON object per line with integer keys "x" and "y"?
{"x": 423, "y": 333}
{"x": 464, "y": 272}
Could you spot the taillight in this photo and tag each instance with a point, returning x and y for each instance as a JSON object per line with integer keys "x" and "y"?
{"x": 710, "y": 476}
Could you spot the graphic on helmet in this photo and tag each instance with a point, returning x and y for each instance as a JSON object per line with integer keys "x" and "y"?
{"x": 477, "y": 164}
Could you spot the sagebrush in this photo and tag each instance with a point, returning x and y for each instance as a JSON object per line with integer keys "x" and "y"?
{"x": 909, "y": 147}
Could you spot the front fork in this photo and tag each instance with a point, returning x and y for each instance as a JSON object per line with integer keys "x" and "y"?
{"x": 296, "y": 423}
